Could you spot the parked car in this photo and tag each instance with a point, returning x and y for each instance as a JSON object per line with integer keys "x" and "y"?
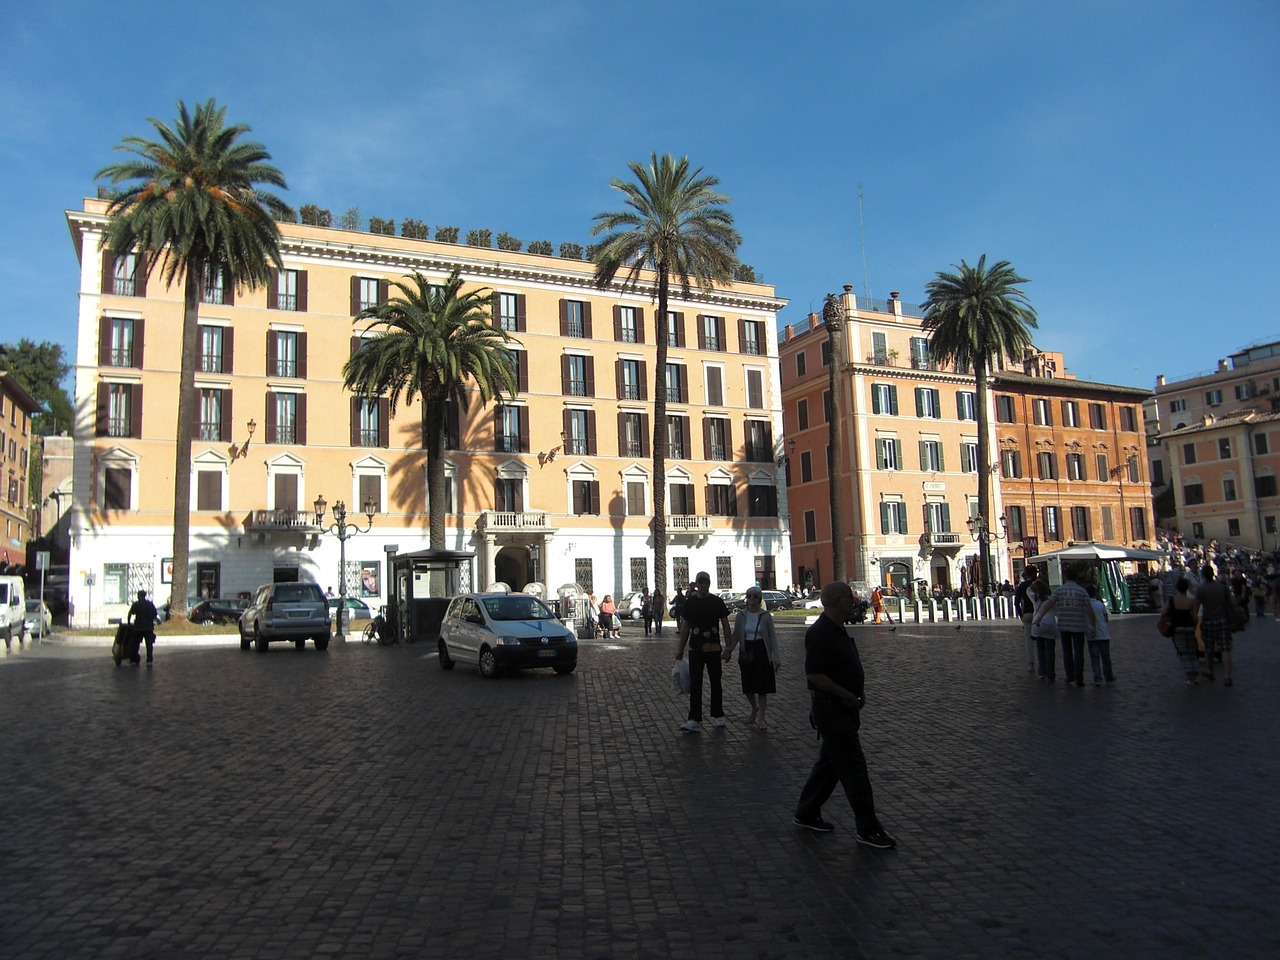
{"x": 631, "y": 605}
{"x": 495, "y": 631}
{"x": 861, "y": 601}
{"x": 225, "y": 610}
{"x": 771, "y": 599}
{"x": 39, "y": 620}
{"x": 357, "y": 609}
{"x": 286, "y": 611}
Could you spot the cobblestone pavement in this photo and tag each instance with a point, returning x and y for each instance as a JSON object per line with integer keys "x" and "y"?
{"x": 363, "y": 803}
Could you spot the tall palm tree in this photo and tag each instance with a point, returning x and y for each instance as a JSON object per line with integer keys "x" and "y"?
{"x": 192, "y": 202}
{"x": 435, "y": 344}
{"x": 677, "y": 227}
{"x": 979, "y": 317}
{"x": 833, "y": 318}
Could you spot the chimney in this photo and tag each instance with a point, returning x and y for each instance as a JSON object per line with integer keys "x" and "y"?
{"x": 1159, "y": 381}
{"x": 788, "y": 331}
{"x": 895, "y": 305}
{"x": 815, "y": 321}
{"x": 849, "y": 302}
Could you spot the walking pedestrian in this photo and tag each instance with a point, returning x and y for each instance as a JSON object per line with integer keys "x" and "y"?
{"x": 658, "y": 604}
{"x": 1181, "y": 608}
{"x": 142, "y": 618}
{"x": 705, "y": 619}
{"x": 646, "y": 610}
{"x": 1025, "y": 606}
{"x": 1044, "y": 632}
{"x": 837, "y": 682}
{"x": 1070, "y": 604}
{"x": 1212, "y": 600}
{"x": 756, "y": 640}
{"x": 1100, "y": 640}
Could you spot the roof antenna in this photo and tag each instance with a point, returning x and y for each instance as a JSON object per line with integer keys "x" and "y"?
{"x": 862, "y": 230}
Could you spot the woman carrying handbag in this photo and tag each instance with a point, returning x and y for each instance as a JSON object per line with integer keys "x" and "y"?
{"x": 756, "y": 640}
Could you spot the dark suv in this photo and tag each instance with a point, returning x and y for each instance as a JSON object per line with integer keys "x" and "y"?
{"x": 286, "y": 611}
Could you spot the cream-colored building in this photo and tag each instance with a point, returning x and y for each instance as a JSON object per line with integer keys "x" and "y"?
{"x": 552, "y": 485}
{"x": 16, "y": 409}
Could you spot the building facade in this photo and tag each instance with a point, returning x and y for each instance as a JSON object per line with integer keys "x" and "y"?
{"x": 550, "y": 486}
{"x": 17, "y": 406}
{"x": 910, "y": 435}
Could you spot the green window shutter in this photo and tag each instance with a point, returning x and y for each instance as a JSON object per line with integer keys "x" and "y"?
{"x": 893, "y": 400}
{"x": 919, "y": 401}
{"x": 884, "y": 518}
{"x": 924, "y": 456}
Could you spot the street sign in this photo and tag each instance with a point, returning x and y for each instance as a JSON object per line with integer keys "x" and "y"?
{"x": 42, "y": 559}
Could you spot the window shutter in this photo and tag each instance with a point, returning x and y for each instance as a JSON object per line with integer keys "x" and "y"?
{"x": 884, "y": 518}
{"x": 566, "y": 435}
{"x": 273, "y": 355}
{"x": 564, "y": 317}
{"x": 522, "y": 419}
{"x": 591, "y": 433}
{"x": 591, "y": 376}
{"x": 622, "y": 434}
{"x": 644, "y": 435}
{"x": 706, "y": 442}
{"x": 924, "y": 456}
{"x": 384, "y": 422}
{"x": 135, "y": 410}
{"x": 355, "y": 295}
{"x": 702, "y": 331}
{"x": 684, "y": 383}
{"x": 919, "y": 401}
{"x": 356, "y": 343}
{"x": 639, "y": 325}
{"x": 643, "y": 377}
{"x": 617, "y": 322}
{"x": 897, "y": 454}
{"x": 942, "y": 460}
{"x": 742, "y": 335}
{"x": 300, "y": 420}
{"x": 227, "y": 420}
{"x": 384, "y": 291}
{"x": 733, "y": 501}
{"x": 228, "y": 289}
{"x": 302, "y": 356}
{"x": 708, "y": 495}
{"x": 520, "y": 314}
{"x": 685, "y": 435}
{"x": 893, "y": 400}
{"x": 586, "y": 319}
{"x": 595, "y": 497}
{"x": 140, "y": 276}
{"x": 269, "y": 418}
{"x": 617, "y": 378}
{"x": 946, "y": 516}
{"x": 302, "y": 291}
{"x": 564, "y": 374}
{"x": 721, "y": 334}
{"x": 679, "y": 321}
{"x": 880, "y": 463}
{"x": 228, "y": 348}
{"x": 497, "y": 428}
{"x": 273, "y": 290}
{"x": 108, "y": 271}
{"x": 355, "y": 421}
{"x": 728, "y": 439}
{"x": 522, "y": 371}
{"x": 104, "y": 342}
{"x": 103, "y": 414}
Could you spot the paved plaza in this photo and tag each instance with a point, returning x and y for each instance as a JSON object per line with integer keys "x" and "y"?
{"x": 364, "y": 803}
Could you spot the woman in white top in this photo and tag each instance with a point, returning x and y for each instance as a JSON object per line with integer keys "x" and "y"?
{"x": 759, "y": 659}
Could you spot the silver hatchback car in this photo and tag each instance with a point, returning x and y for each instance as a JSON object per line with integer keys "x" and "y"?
{"x": 499, "y": 630}
{"x": 286, "y": 611}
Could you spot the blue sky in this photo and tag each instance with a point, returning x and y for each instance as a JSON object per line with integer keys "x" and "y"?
{"x": 1122, "y": 155}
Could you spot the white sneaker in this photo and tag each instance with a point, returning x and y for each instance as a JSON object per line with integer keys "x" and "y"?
{"x": 721, "y": 722}
{"x": 691, "y": 726}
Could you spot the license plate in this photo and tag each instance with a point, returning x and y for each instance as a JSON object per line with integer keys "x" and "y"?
{"x": 546, "y": 653}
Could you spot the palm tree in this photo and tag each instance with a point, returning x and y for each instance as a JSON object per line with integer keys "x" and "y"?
{"x": 192, "y": 202}
{"x": 833, "y": 318}
{"x": 436, "y": 344}
{"x": 677, "y": 227}
{"x": 978, "y": 318}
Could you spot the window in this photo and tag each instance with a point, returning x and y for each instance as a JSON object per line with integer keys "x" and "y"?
{"x": 1128, "y": 419}
{"x": 1132, "y": 465}
{"x": 759, "y": 441}
{"x": 1016, "y": 519}
{"x": 631, "y": 380}
{"x": 675, "y": 329}
{"x": 209, "y": 489}
{"x": 633, "y": 440}
{"x": 884, "y": 399}
{"x": 802, "y": 415}
{"x": 751, "y": 337}
{"x": 762, "y": 501}
{"x": 920, "y": 354}
{"x": 1157, "y": 473}
{"x": 1080, "y": 523}
{"x": 511, "y": 429}
{"x": 825, "y": 349}
{"x": 677, "y": 383}
{"x": 681, "y": 500}
{"x": 1178, "y": 405}
{"x": 1197, "y": 530}
{"x": 124, "y": 275}
{"x": 211, "y": 349}
{"x": 290, "y": 291}
{"x": 928, "y": 403}
{"x": 639, "y": 574}
{"x": 677, "y": 437}
{"x": 285, "y": 353}
{"x": 1108, "y": 528}
{"x": 1228, "y": 489}
{"x": 1047, "y": 465}
{"x": 575, "y": 319}
{"x": 579, "y": 426}
{"x": 586, "y": 498}
{"x": 1103, "y": 467}
{"x": 1075, "y": 467}
{"x": 1011, "y": 464}
{"x": 1097, "y": 416}
{"x": 810, "y": 526}
{"x": 119, "y": 410}
{"x": 285, "y": 491}
{"x": 1192, "y": 493}
{"x": 370, "y": 422}
{"x": 931, "y": 456}
{"x": 1005, "y": 410}
{"x": 511, "y": 312}
{"x": 628, "y": 329}
{"x": 115, "y": 583}
{"x": 216, "y": 288}
{"x": 1188, "y": 453}
{"x": 1051, "y": 523}
{"x": 508, "y": 494}
{"x": 1070, "y": 413}
{"x": 679, "y": 571}
{"x": 710, "y": 333}
{"x": 636, "y": 499}
{"x": 724, "y": 573}
{"x": 765, "y": 574}
{"x": 283, "y": 426}
{"x": 366, "y": 293}
{"x": 713, "y": 377}
{"x": 577, "y": 376}
{"x": 1224, "y": 448}
{"x": 937, "y": 516}
{"x": 1260, "y": 445}
{"x": 582, "y": 573}
{"x": 755, "y": 389}
{"x": 1233, "y": 526}
{"x": 888, "y": 453}
{"x": 117, "y": 488}
{"x": 806, "y": 467}
{"x": 1213, "y": 397}
{"x": 211, "y": 420}
{"x": 119, "y": 351}
{"x": 893, "y": 517}
{"x": 722, "y": 500}
{"x": 1269, "y": 524}
{"x": 800, "y": 364}
{"x": 1042, "y": 412}
{"x": 1264, "y": 486}
{"x": 966, "y": 405}
{"x": 715, "y": 432}
{"x": 879, "y": 348}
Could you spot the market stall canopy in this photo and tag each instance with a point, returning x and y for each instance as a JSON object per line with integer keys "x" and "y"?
{"x": 1096, "y": 552}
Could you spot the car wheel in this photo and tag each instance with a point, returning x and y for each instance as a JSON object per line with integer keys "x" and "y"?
{"x": 300, "y": 644}
{"x": 564, "y": 668}
{"x": 322, "y": 641}
{"x": 489, "y": 664}
{"x": 635, "y": 614}
{"x": 204, "y": 621}
{"x": 244, "y": 638}
{"x": 446, "y": 661}
{"x": 259, "y": 641}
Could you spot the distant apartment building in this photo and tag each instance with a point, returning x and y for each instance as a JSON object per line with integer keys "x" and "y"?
{"x": 910, "y": 478}
{"x": 552, "y": 485}
{"x": 1215, "y": 454}
{"x": 16, "y": 409}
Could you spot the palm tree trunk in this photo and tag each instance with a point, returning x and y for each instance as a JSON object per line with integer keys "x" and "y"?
{"x": 193, "y": 293}
{"x": 984, "y": 472}
{"x": 433, "y": 438}
{"x": 835, "y": 443}
{"x": 660, "y": 435}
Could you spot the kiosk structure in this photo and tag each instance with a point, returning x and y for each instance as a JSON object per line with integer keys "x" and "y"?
{"x": 421, "y": 584}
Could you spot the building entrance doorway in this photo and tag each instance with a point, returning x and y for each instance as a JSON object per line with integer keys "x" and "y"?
{"x": 511, "y": 566}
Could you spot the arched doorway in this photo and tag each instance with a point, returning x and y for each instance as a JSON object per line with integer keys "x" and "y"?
{"x": 512, "y": 566}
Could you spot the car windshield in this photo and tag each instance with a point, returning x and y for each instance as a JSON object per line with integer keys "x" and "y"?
{"x": 298, "y": 593}
{"x": 517, "y": 608}
{"x": 33, "y": 606}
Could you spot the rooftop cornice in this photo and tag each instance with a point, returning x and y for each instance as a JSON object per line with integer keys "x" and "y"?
{"x": 1007, "y": 379}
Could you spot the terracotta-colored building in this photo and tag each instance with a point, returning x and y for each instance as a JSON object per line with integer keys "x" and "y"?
{"x": 16, "y": 409}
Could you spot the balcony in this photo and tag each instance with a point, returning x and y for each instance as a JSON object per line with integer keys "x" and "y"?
{"x": 507, "y": 521}
{"x": 939, "y": 540}
{"x": 266, "y": 520}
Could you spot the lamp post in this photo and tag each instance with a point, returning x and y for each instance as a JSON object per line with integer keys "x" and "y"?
{"x": 343, "y": 531}
{"x": 981, "y": 532}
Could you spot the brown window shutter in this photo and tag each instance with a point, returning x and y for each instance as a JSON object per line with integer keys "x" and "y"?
{"x": 139, "y": 340}
{"x": 644, "y": 435}
{"x": 728, "y": 440}
{"x": 355, "y": 421}
{"x": 103, "y": 412}
{"x": 644, "y": 379}
{"x": 497, "y": 427}
{"x": 384, "y": 422}
{"x": 595, "y": 497}
{"x": 639, "y": 324}
{"x": 684, "y": 435}
{"x": 104, "y": 342}
{"x": 302, "y": 356}
{"x": 617, "y": 378}
{"x": 355, "y": 345}
{"x": 273, "y": 355}
{"x": 586, "y": 319}
{"x": 269, "y": 418}
{"x": 564, "y": 374}
{"x": 679, "y": 328}
{"x": 273, "y": 290}
{"x": 300, "y": 414}
{"x": 622, "y": 434}
{"x": 706, "y": 441}
{"x": 742, "y": 335}
{"x": 355, "y": 295}
{"x": 135, "y": 411}
{"x": 228, "y": 348}
{"x": 710, "y": 507}
{"x": 524, "y": 429}
{"x": 721, "y": 336}
{"x": 384, "y": 291}
{"x": 591, "y": 376}
{"x": 520, "y": 315}
{"x": 617, "y": 322}
{"x": 140, "y": 276}
{"x": 228, "y": 422}
{"x": 566, "y": 436}
{"x": 108, "y": 271}
{"x": 564, "y": 317}
{"x": 228, "y": 289}
{"x": 302, "y": 291}
{"x": 684, "y": 384}
{"x": 591, "y": 433}
{"x": 702, "y": 331}
{"x": 522, "y": 372}
{"x": 454, "y": 427}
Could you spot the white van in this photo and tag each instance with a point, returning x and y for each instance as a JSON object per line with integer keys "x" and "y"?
{"x": 13, "y": 610}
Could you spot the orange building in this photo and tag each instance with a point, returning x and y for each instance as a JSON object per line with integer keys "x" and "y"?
{"x": 16, "y": 409}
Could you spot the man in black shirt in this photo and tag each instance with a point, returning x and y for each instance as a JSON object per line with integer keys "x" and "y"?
{"x": 1025, "y": 607}
{"x": 704, "y": 616}
{"x": 836, "y": 684}
{"x": 143, "y": 616}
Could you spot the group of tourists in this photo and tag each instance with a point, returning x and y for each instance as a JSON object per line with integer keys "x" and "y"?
{"x": 1072, "y": 615}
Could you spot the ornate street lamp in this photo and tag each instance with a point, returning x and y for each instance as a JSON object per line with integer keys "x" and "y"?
{"x": 981, "y": 532}
{"x": 343, "y": 530}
